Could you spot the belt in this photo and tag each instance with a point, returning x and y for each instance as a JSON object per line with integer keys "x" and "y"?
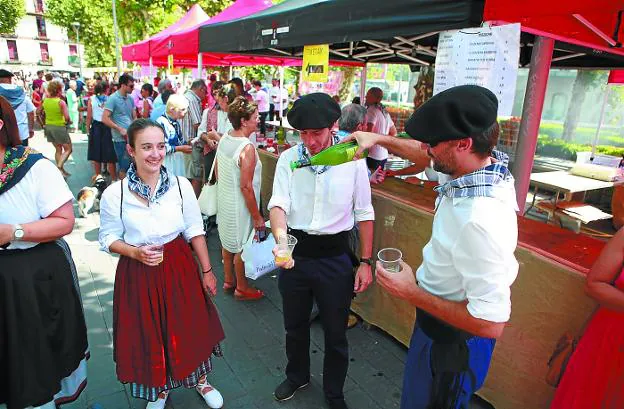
{"x": 323, "y": 245}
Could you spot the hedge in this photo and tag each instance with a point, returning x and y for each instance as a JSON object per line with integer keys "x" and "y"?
{"x": 558, "y": 148}
{"x": 583, "y": 135}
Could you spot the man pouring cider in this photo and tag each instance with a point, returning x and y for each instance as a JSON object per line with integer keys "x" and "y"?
{"x": 317, "y": 206}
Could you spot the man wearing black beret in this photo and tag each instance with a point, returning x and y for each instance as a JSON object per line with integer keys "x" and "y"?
{"x": 462, "y": 288}
{"x": 320, "y": 205}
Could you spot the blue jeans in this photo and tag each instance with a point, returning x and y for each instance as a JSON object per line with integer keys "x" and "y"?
{"x": 123, "y": 160}
{"x": 417, "y": 378}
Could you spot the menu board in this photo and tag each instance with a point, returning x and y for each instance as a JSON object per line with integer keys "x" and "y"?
{"x": 486, "y": 56}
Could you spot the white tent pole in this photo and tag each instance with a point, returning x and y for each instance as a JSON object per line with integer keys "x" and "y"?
{"x": 151, "y": 77}
{"x": 199, "y": 66}
{"x": 602, "y": 112}
{"x": 363, "y": 84}
{"x": 231, "y": 72}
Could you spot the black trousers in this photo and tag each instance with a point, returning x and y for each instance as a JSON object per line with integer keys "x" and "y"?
{"x": 271, "y": 112}
{"x": 329, "y": 282}
{"x": 263, "y": 118}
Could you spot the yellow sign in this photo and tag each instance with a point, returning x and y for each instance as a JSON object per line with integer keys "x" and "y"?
{"x": 316, "y": 63}
{"x": 170, "y": 62}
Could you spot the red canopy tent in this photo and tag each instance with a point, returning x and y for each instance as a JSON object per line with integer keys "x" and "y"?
{"x": 181, "y": 40}
{"x": 594, "y": 24}
{"x": 141, "y": 50}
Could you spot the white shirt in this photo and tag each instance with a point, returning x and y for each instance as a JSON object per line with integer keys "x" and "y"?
{"x": 21, "y": 113}
{"x": 40, "y": 192}
{"x": 328, "y": 203}
{"x": 97, "y": 108}
{"x": 159, "y": 223}
{"x": 471, "y": 254}
{"x": 381, "y": 125}
{"x": 280, "y": 103}
{"x": 262, "y": 99}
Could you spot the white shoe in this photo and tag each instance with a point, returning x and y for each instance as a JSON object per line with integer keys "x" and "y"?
{"x": 158, "y": 404}
{"x": 213, "y": 397}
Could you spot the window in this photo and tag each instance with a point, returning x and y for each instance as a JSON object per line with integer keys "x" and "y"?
{"x": 41, "y": 27}
{"x": 45, "y": 56}
{"x": 39, "y": 6}
{"x": 73, "y": 49}
{"x": 12, "y": 46}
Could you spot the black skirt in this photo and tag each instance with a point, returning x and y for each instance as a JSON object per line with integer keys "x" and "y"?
{"x": 43, "y": 336}
{"x": 101, "y": 147}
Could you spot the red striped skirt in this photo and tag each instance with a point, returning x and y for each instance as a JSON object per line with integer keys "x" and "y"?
{"x": 163, "y": 323}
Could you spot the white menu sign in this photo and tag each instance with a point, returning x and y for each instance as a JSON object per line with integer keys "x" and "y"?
{"x": 486, "y": 56}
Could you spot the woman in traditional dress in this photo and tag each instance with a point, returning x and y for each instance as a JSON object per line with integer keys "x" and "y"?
{"x": 43, "y": 337}
{"x": 165, "y": 328}
{"x": 72, "y": 105}
{"x": 174, "y": 142}
{"x": 239, "y": 172}
{"x": 101, "y": 148}
{"x": 208, "y": 128}
{"x": 594, "y": 377}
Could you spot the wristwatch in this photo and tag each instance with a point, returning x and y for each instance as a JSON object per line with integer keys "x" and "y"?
{"x": 18, "y": 232}
{"x": 368, "y": 261}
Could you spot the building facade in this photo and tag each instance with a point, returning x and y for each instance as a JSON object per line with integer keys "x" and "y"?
{"x": 37, "y": 44}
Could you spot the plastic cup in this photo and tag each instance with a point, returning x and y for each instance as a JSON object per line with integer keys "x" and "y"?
{"x": 159, "y": 248}
{"x": 390, "y": 259}
{"x": 285, "y": 247}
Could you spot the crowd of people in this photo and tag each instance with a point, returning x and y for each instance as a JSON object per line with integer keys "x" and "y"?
{"x": 159, "y": 148}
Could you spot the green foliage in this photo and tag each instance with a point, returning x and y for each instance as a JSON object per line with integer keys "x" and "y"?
{"x": 12, "y": 12}
{"x": 583, "y": 135}
{"x": 96, "y": 27}
{"x": 558, "y": 148}
{"x": 264, "y": 73}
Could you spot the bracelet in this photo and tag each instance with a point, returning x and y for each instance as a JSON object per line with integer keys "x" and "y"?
{"x": 208, "y": 271}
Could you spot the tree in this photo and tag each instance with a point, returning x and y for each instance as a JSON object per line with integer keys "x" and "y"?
{"x": 424, "y": 86}
{"x": 584, "y": 79}
{"x": 347, "y": 83}
{"x": 96, "y": 27}
{"x": 12, "y": 12}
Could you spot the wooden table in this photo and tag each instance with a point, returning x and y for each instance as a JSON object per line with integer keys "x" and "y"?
{"x": 562, "y": 182}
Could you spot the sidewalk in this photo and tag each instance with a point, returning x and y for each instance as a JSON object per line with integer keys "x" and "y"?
{"x": 254, "y": 355}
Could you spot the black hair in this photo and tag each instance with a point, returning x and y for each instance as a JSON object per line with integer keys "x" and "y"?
{"x": 148, "y": 87}
{"x": 139, "y": 125}
{"x": 125, "y": 79}
{"x": 484, "y": 143}
{"x": 256, "y": 83}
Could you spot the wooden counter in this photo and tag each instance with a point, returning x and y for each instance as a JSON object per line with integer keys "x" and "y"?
{"x": 548, "y": 296}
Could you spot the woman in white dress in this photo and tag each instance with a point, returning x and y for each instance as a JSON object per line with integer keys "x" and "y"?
{"x": 177, "y": 106}
{"x": 239, "y": 171}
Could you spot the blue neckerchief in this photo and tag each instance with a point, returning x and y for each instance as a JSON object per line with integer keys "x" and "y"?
{"x": 15, "y": 96}
{"x": 101, "y": 99}
{"x": 304, "y": 154}
{"x": 136, "y": 185}
{"x": 15, "y": 165}
{"x": 480, "y": 183}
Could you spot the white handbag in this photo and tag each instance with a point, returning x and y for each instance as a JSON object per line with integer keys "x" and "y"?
{"x": 208, "y": 196}
{"x": 258, "y": 256}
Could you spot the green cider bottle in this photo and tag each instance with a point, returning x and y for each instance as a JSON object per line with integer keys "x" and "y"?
{"x": 332, "y": 156}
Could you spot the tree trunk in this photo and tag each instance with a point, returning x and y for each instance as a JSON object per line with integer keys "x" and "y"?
{"x": 424, "y": 86}
{"x": 347, "y": 84}
{"x": 583, "y": 77}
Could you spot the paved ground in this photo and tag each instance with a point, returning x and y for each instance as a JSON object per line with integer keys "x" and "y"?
{"x": 254, "y": 348}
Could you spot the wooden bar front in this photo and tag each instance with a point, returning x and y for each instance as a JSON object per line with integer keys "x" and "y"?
{"x": 548, "y": 296}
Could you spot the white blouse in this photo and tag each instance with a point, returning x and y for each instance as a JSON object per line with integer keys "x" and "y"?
{"x": 328, "y": 203}
{"x": 40, "y": 192}
{"x": 157, "y": 223}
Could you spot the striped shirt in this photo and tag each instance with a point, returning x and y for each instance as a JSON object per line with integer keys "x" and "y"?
{"x": 192, "y": 118}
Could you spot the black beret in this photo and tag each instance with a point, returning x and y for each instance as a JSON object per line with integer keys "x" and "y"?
{"x": 5, "y": 73}
{"x": 456, "y": 113}
{"x": 314, "y": 111}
